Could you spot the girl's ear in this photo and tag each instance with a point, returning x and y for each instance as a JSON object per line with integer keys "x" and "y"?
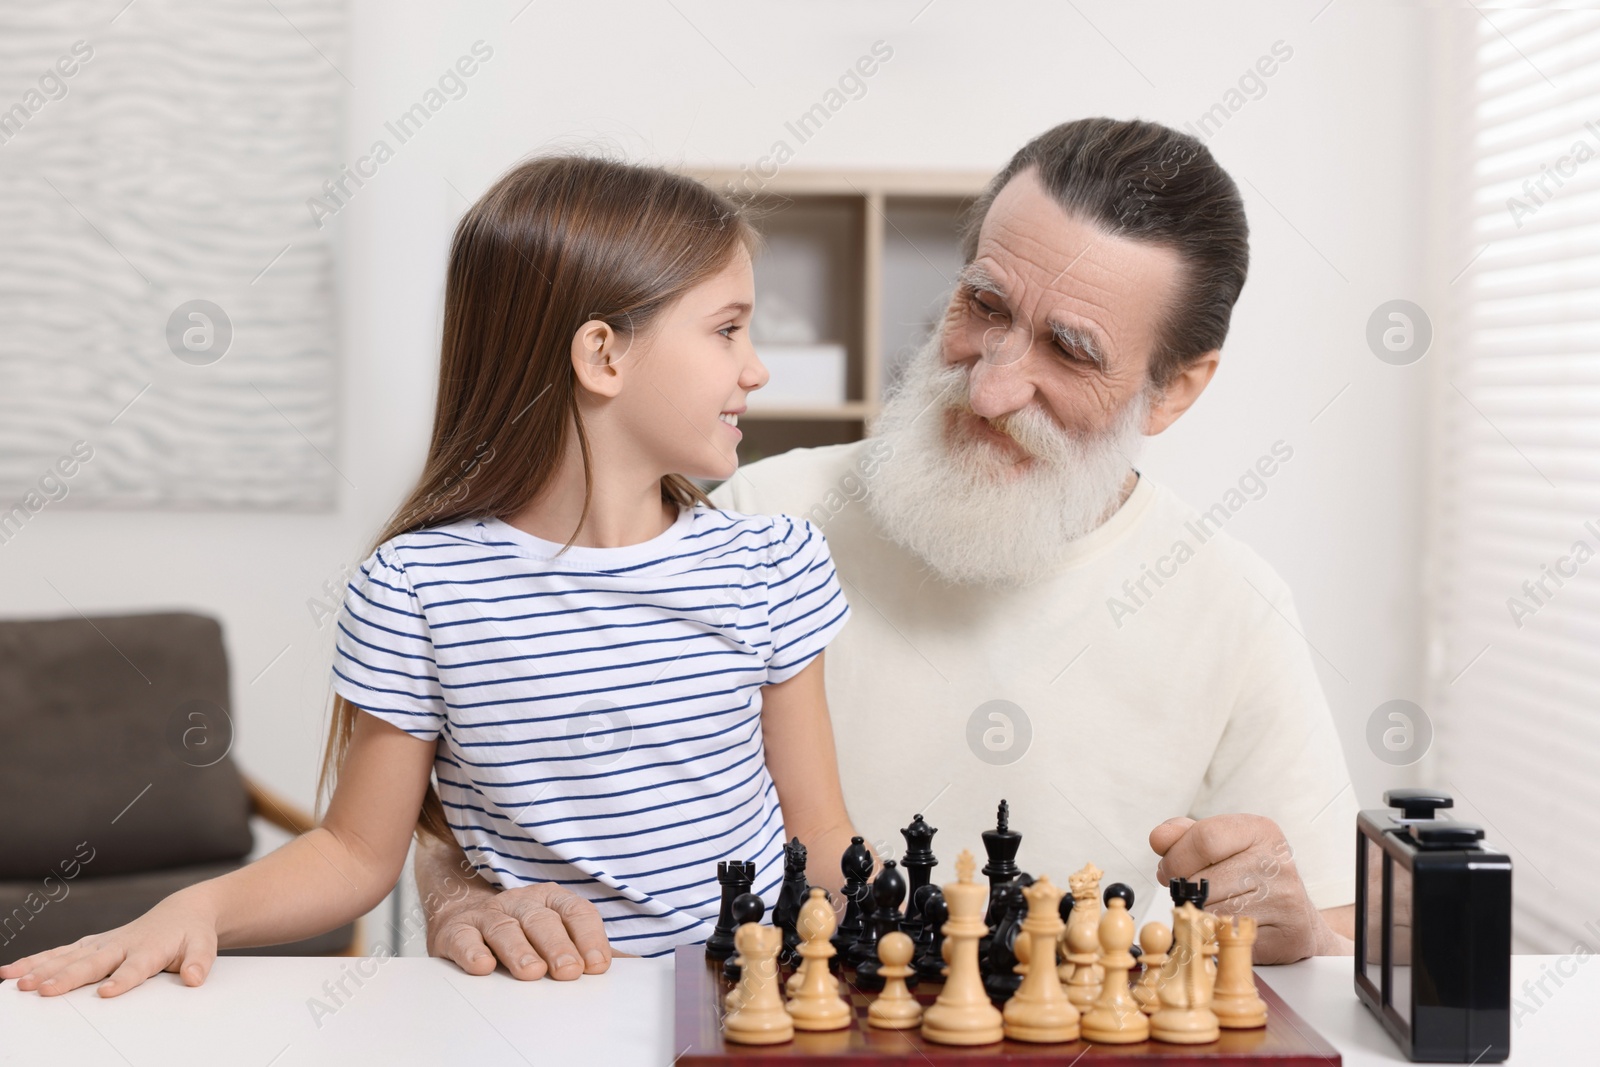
{"x": 596, "y": 359}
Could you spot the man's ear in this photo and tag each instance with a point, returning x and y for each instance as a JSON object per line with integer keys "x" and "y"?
{"x": 1184, "y": 389}
{"x": 596, "y": 359}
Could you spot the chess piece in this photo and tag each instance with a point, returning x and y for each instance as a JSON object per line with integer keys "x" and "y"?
{"x": 816, "y": 1004}
{"x": 894, "y": 920}
{"x": 1002, "y": 976}
{"x": 963, "y": 1015}
{"x": 1064, "y": 966}
{"x": 888, "y": 890}
{"x": 895, "y": 1008}
{"x": 795, "y": 979}
{"x": 1083, "y": 940}
{"x": 1001, "y": 845}
{"x": 1185, "y": 1017}
{"x": 735, "y": 876}
{"x": 756, "y": 1013}
{"x": 1234, "y": 998}
{"x": 1115, "y": 1018}
{"x": 1039, "y": 1011}
{"x": 1184, "y": 891}
{"x": 1156, "y": 939}
{"x": 918, "y": 863}
{"x": 1195, "y": 893}
{"x": 823, "y": 962}
{"x": 930, "y": 954}
{"x": 1085, "y": 918}
{"x": 856, "y": 865}
{"x": 786, "y": 912}
{"x": 747, "y": 908}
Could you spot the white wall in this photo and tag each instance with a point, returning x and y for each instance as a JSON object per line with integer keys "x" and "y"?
{"x": 1333, "y": 154}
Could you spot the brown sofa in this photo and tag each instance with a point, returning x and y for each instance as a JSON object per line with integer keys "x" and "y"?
{"x": 116, "y": 783}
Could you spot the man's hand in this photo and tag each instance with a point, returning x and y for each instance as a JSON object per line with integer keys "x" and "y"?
{"x": 534, "y": 930}
{"x": 1248, "y": 863}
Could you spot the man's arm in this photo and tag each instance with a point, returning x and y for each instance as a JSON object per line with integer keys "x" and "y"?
{"x": 1279, "y": 759}
{"x": 534, "y": 930}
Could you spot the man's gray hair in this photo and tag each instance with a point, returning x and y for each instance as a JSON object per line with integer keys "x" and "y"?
{"x": 1150, "y": 183}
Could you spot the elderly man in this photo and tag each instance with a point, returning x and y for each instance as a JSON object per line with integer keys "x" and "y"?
{"x": 1034, "y": 619}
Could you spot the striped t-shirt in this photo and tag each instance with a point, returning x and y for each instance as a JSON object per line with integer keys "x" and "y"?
{"x": 597, "y": 712}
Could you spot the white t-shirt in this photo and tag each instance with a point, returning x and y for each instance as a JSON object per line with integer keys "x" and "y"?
{"x": 597, "y": 713}
{"x": 1196, "y": 696}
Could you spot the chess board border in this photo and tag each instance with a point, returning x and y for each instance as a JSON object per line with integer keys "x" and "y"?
{"x": 698, "y": 989}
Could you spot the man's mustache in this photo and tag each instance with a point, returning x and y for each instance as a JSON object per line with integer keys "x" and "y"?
{"x": 1030, "y": 428}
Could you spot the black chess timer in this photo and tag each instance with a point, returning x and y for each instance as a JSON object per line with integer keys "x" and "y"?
{"x": 1433, "y": 930}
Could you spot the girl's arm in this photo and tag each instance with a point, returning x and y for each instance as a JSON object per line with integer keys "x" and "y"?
{"x": 798, "y": 735}
{"x": 318, "y": 881}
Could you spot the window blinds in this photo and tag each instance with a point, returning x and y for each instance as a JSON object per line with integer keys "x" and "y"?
{"x": 1515, "y": 524}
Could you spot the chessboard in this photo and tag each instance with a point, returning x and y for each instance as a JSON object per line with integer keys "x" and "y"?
{"x": 699, "y": 988}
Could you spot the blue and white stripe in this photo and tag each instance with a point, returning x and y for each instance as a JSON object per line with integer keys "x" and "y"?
{"x": 598, "y": 711}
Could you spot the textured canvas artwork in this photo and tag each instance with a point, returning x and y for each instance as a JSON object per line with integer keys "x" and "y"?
{"x": 167, "y": 328}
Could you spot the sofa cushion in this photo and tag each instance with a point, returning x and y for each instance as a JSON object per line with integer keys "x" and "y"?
{"x": 116, "y": 736}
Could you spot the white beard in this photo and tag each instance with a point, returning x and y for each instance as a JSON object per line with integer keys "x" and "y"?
{"x": 965, "y": 507}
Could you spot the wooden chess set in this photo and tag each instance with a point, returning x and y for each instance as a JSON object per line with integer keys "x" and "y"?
{"x": 949, "y": 978}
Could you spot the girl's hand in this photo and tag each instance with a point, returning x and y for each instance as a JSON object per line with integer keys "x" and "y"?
{"x": 179, "y": 934}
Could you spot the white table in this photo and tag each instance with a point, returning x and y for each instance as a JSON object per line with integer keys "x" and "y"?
{"x": 260, "y": 1010}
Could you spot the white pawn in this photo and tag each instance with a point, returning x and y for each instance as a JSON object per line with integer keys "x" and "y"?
{"x": 1156, "y": 940}
{"x": 895, "y": 1008}
{"x": 1083, "y": 953}
{"x": 798, "y": 978}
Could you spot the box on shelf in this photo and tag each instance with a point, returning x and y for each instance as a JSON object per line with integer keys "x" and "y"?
{"x": 802, "y": 376}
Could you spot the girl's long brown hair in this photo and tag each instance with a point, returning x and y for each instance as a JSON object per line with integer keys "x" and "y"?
{"x": 556, "y": 242}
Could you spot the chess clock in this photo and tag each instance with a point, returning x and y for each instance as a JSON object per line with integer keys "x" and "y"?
{"x": 1433, "y": 930}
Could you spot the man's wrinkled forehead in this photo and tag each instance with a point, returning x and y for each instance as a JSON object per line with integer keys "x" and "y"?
{"x": 1054, "y": 266}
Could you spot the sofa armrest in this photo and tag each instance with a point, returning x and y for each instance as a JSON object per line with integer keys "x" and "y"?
{"x": 277, "y": 809}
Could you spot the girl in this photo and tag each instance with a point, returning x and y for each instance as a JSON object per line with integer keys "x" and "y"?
{"x": 615, "y": 684}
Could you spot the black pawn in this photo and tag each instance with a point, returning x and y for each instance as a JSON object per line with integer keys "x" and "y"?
{"x": 747, "y": 908}
{"x": 736, "y": 877}
{"x": 1001, "y": 844}
{"x": 856, "y": 866}
{"x": 1118, "y": 889}
{"x": 786, "y": 912}
{"x": 918, "y": 863}
{"x": 888, "y": 890}
{"x": 924, "y": 936}
{"x": 929, "y": 962}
